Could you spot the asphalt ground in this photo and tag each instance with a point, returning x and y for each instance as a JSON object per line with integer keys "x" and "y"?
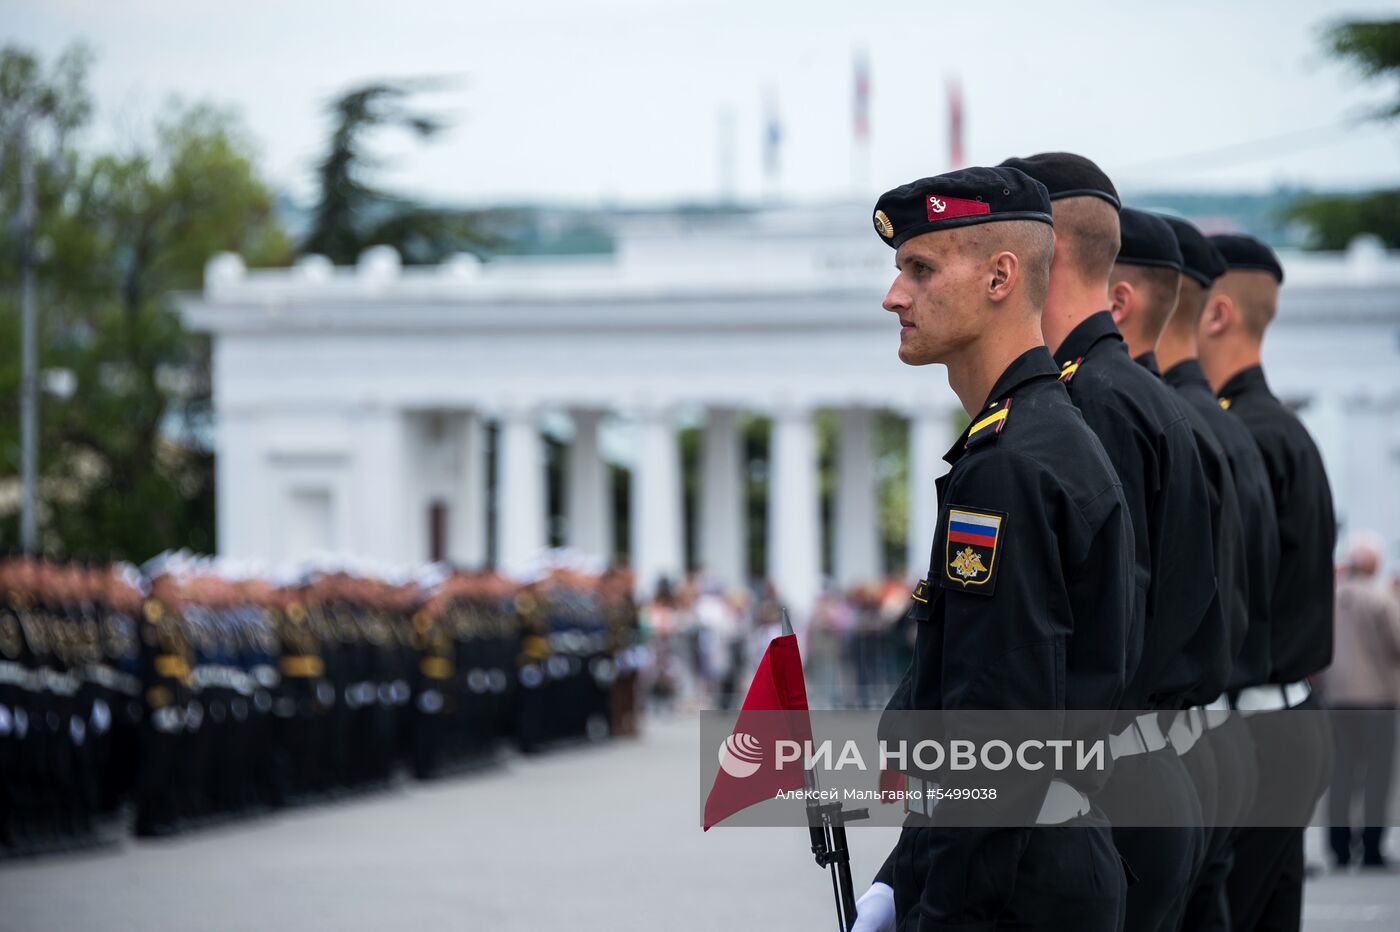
{"x": 590, "y": 837}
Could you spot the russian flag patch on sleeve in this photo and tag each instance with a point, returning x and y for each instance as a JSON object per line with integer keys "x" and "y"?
{"x": 971, "y": 541}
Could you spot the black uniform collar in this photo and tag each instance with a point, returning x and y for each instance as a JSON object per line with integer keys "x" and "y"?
{"x": 1245, "y": 382}
{"x": 1035, "y": 363}
{"x": 1091, "y": 330}
{"x": 1186, "y": 372}
{"x": 1148, "y": 361}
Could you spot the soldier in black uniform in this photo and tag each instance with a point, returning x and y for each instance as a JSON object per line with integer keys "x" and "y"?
{"x": 165, "y": 677}
{"x": 1266, "y": 881}
{"x": 17, "y": 707}
{"x": 1144, "y": 288}
{"x": 619, "y": 610}
{"x": 1208, "y": 908}
{"x": 1149, "y": 440}
{"x": 1029, "y": 596}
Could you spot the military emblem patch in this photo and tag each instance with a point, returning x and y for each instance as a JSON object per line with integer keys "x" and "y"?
{"x": 971, "y": 541}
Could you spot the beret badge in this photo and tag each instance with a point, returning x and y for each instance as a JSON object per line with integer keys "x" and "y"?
{"x": 883, "y": 225}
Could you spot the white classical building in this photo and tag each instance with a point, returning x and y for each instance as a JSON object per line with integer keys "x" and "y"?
{"x": 350, "y": 403}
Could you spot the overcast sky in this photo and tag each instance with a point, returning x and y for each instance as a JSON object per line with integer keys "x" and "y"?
{"x": 583, "y": 101}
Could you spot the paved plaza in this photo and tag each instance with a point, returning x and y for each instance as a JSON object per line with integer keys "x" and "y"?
{"x": 507, "y": 849}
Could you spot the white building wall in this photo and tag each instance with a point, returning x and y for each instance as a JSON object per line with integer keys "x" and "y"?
{"x": 321, "y": 375}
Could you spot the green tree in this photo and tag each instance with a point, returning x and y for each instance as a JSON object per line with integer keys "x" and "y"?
{"x": 1334, "y": 220}
{"x": 126, "y": 464}
{"x": 1373, "y": 49}
{"x": 350, "y": 214}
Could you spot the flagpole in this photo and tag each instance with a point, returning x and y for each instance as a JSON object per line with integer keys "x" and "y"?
{"x": 826, "y": 824}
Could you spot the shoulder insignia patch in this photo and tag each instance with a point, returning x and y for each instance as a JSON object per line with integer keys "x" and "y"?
{"x": 988, "y": 424}
{"x": 1068, "y": 370}
{"x": 971, "y": 541}
{"x": 1225, "y": 404}
{"x": 920, "y": 593}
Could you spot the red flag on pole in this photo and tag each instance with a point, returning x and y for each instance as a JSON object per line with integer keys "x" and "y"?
{"x": 749, "y": 771}
{"x": 862, "y": 98}
{"x": 955, "y": 124}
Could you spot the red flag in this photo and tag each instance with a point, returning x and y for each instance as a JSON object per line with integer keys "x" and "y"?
{"x": 955, "y": 124}
{"x": 862, "y": 98}
{"x": 749, "y": 771}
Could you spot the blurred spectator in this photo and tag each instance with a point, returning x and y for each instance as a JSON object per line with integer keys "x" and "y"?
{"x": 666, "y": 627}
{"x": 1363, "y": 685}
{"x": 827, "y": 636}
{"x": 855, "y": 646}
{"x": 721, "y": 632}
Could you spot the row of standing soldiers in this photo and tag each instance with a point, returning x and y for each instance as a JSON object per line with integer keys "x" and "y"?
{"x": 186, "y": 696}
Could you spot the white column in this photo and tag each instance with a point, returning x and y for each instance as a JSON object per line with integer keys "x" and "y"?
{"x": 588, "y": 498}
{"x": 794, "y": 511}
{"x": 245, "y": 504}
{"x": 930, "y": 435}
{"x": 520, "y": 479}
{"x": 381, "y": 484}
{"x": 657, "y": 545}
{"x": 467, "y": 534}
{"x": 723, "y": 547}
{"x": 856, "y": 540}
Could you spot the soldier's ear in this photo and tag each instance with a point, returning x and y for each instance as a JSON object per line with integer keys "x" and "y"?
{"x": 1218, "y": 316}
{"x": 1120, "y": 295}
{"x": 1005, "y": 275}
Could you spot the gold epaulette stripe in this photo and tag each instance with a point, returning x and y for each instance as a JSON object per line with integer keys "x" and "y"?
{"x": 302, "y": 665}
{"x": 172, "y": 666}
{"x": 988, "y": 421}
{"x": 436, "y": 668}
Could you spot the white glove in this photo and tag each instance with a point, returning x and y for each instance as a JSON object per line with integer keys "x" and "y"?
{"x": 875, "y": 909}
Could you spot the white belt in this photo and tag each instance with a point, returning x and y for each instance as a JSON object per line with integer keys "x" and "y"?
{"x": 1186, "y": 730}
{"x": 1217, "y": 712}
{"x": 1062, "y": 802}
{"x": 1143, "y": 735}
{"x": 1272, "y": 698}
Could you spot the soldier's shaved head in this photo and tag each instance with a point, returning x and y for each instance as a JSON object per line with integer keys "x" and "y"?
{"x": 1087, "y": 237}
{"x": 1239, "y": 309}
{"x": 1032, "y": 243}
{"x": 1143, "y": 298}
{"x": 1255, "y": 296}
{"x": 1190, "y": 302}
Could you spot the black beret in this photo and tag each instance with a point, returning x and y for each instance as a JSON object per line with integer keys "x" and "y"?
{"x": 1147, "y": 240}
{"x": 1247, "y": 253}
{"x": 1199, "y": 259}
{"x": 958, "y": 199}
{"x": 1065, "y": 174}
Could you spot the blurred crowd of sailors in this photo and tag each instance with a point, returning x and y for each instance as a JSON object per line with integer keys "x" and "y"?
{"x": 193, "y": 689}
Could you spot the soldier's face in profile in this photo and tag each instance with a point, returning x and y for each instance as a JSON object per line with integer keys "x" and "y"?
{"x": 936, "y": 297}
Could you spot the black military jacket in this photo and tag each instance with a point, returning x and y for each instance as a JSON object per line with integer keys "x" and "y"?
{"x": 1030, "y": 579}
{"x": 1301, "y": 641}
{"x": 1027, "y": 606}
{"x": 1145, "y": 431}
{"x": 1259, "y": 539}
{"x": 1207, "y": 657}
